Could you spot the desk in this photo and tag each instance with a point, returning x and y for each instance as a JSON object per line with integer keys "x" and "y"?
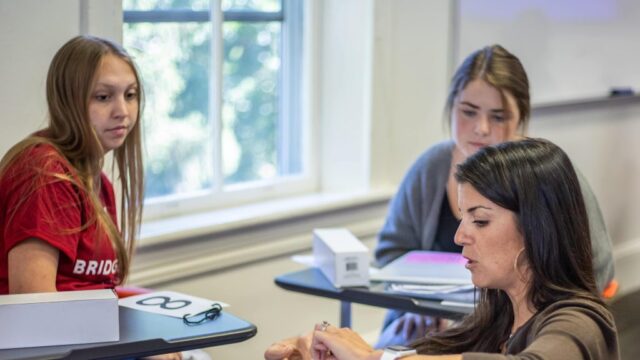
{"x": 143, "y": 334}
{"x": 311, "y": 281}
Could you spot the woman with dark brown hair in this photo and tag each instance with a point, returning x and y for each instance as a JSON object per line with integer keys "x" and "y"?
{"x": 488, "y": 103}
{"x": 525, "y": 235}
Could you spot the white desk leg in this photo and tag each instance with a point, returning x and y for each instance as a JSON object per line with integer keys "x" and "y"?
{"x": 345, "y": 314}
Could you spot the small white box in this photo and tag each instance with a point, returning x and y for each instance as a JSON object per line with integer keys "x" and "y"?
{"x": 341, "y": 257}
{"x": 58, "y": 318}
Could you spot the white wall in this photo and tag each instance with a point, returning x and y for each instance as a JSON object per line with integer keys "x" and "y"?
{"x": 409, "y": 43}
{"x": 31, "y": 31}
{"x": 411, "y": 58}
{"x": 29, "y": 36}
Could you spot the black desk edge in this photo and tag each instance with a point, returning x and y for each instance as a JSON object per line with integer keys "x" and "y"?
{"x": 311, "y": 281}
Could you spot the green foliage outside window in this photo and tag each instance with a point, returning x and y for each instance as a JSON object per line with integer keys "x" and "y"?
{"x": 176, "y": 66}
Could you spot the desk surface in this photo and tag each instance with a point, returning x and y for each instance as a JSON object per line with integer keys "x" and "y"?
{"x": 143, "y": 334}
{"x": 311, "y": 281}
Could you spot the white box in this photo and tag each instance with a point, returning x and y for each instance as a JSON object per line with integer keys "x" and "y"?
{"x": 58, "y": 318}
{"x": 341, "y": 257}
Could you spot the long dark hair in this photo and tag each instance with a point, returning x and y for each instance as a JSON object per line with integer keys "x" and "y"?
{"x": 535, "y": 180}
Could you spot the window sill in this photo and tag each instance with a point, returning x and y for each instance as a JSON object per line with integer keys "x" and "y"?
{"x": 193, "y": 245}
{"x": 164, "y": 231}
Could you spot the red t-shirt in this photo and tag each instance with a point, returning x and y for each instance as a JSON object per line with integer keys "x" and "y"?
{"x": 35, "y": 203}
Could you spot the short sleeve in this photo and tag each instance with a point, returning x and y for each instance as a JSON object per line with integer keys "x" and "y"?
{"x": 42, "y": 202}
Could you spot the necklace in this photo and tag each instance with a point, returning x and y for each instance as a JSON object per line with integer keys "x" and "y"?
{"x": 506, "y": 343}
{"x": 509, "y": 339}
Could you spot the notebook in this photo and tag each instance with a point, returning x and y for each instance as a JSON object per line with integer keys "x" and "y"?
{"x": 453, "y": 293}
{"x": 425, "y": 267}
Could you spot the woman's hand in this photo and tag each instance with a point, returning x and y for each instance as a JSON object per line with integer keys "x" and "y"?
{"x": 295, "y": 348}
{"x": 331, "y": 343}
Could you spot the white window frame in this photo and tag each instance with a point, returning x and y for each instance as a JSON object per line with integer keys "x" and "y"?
{"x": 295, "y": 37}
{"x": 371, "y": 114}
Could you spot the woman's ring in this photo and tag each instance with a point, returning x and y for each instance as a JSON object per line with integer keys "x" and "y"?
{"x": 324, "y": 326}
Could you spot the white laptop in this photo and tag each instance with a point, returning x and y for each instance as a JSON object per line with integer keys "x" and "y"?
{"x": 425, "y": 267}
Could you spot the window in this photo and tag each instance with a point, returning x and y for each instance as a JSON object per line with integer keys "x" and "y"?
{"x": 222, "y": 120}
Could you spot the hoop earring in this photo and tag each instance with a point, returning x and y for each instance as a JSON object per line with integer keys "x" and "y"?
{"x": 515, "y": 261}
{"x": 515, "y": 264}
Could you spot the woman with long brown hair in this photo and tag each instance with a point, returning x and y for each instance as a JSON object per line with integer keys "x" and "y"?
{"x": 58, "y": 218}
{"x": 488, "y": 103}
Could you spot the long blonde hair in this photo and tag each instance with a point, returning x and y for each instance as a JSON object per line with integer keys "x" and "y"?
{"x": 70, "y": 80}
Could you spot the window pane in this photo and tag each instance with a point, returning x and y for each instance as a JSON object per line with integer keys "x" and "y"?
{"x": 174, "y": 60}
{"x": 259, "y": 118}
{"x": 165, "y": 4}
{"x": 256, "y": 5}
{"x": 250, "y": 101}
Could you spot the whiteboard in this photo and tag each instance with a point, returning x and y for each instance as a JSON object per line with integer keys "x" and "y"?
{"x": 572, "y": 50}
